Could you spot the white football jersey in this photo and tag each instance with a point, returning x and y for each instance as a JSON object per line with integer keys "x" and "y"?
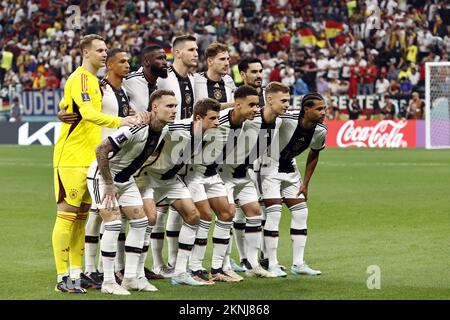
{"x": 184, "y": 91}
{"x": 132, "y": 146}
{"x": 222, "y": 91}
{"x": 255, "y": 140}
{"x": 218, "y": 145}
{"x": 138, "y": 90}
{"x": 176, "y": 150}
{"x": 114, "y": 102}
{"x": 293, "y": 140}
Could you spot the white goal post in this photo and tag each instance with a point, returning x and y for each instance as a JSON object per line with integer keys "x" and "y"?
{"x": 437, "y": 105}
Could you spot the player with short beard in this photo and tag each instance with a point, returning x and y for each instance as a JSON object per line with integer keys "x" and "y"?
{"x": 181, "y": 81}
{"x": 140, "y": 85}
{"x": 111, "y": 184}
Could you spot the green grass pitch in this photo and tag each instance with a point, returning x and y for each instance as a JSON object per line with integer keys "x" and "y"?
{"x": 389, "y": 208}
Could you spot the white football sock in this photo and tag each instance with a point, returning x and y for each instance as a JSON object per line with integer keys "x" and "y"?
{"x": 271, "y": 233}
{"x": 108, "y": 246}
{"x": 239, "y": 233}
{"x": 133, "y": 245}
{"x": 157, "y": 239}
{"x": 221, "y": 237}
{"x": 91, "y": 240}
{"x": 100, "y": 263}
{"x": 119, "y": 264}
{"x": 173, "y": 227}
{"x": 201, "y": 240}
{"x": 299, "y": 232}
{"x": 253, "y": 239}
{"x": 186, "y": 242}
{"x": 143, "y": 257}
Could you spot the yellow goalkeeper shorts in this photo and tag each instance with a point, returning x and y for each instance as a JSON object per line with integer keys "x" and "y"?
{"x": 71, "y": 186}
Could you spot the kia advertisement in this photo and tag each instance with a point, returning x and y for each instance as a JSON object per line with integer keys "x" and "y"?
{"x": 376, "y": 134}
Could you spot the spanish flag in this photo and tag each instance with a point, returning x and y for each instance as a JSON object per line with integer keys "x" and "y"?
{"x": 333, "y": 28}
{"x": 307, "y": 35}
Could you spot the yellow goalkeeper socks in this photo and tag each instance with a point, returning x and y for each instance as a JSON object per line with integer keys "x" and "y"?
{"x": 77, "y": 245}
{"x": 62, "y": 232}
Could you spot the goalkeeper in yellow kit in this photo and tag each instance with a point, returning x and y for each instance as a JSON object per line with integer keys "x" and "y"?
{"x": 74, "y": 152}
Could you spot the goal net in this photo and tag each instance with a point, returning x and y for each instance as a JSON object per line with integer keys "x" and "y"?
{"x": 437, "y": 105}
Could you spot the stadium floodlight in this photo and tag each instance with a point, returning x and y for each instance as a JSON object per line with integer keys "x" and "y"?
{"x": 437, "y": 105}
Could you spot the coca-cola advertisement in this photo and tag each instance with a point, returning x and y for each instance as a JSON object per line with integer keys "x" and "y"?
{"x": 375, "y": 134}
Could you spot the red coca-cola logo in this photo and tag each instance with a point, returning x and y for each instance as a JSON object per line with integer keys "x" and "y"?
{"x": 381, "y": 134}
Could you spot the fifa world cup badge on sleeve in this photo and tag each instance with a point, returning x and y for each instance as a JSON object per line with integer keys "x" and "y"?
{"x": 121, "y": 138}
{"x": 85, "y": 97}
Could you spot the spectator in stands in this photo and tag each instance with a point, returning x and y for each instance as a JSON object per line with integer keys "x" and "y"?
{"x": 36, "y": 35}
{"x": 370, "y": 74}
{"x": 415, "y": 108}
{"x": 354, "y": 109}
{"x": 382, "y": 85}
{"x": 300, "y": 87}
{"x": 322, "y": 85}
{"x": 405, "y": 86}
{"x": 310, "y": 72}
{"x": 332, "y": 110}
{"x": 16, "y": 111}
{"x": 414, "y": 78}
{"x": 287, "y": 76}
{"x": 335, "y": 66}
{"x": 394, "y": 88}
{"x": 52, "y": 82}
{"x": 322, "y": 65}
{"x": 275, "y": 74}
{"x": 376, "y": 112}
{"x": 246, "y": 47}
{"x": 389, "y": 110}
{"x": 392, "y": 73}
{"x": 405, "y": 73}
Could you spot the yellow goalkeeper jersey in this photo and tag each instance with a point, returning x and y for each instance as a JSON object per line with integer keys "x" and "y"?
{"x": 76, "y": 143}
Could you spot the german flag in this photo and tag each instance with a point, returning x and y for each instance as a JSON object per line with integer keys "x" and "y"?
{"x": 169, "y": 54}
{"x": 166, "y": 47}
{"x": 307, "y": 34}
{"x": 333, "y": 28}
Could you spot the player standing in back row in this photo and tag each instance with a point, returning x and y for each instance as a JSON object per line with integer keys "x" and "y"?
{"x": 140, "y": 85}
{"x": 251, "y": 70}
{"x": 73, "y": 153}
{"x": 210, "y": 192}
{"x": 180, "y": 81}
{"x": 111, "y": 184}
{"x": 114, "y": 102}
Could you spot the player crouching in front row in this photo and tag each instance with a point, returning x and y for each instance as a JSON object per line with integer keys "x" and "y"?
{"x": 111, "y": 184}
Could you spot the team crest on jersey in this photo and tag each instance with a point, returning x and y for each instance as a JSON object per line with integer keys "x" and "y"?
{"x": 126, "y": 110}
{"x": 73, "y": 193}
{"x": 188, "y": 98}
{"x": 299, "y": 144}
{"x": 217, "y": 94}
{"x": 85, "y": 97}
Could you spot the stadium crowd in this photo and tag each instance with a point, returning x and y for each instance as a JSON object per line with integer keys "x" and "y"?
{"x": 381, "y": 53}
